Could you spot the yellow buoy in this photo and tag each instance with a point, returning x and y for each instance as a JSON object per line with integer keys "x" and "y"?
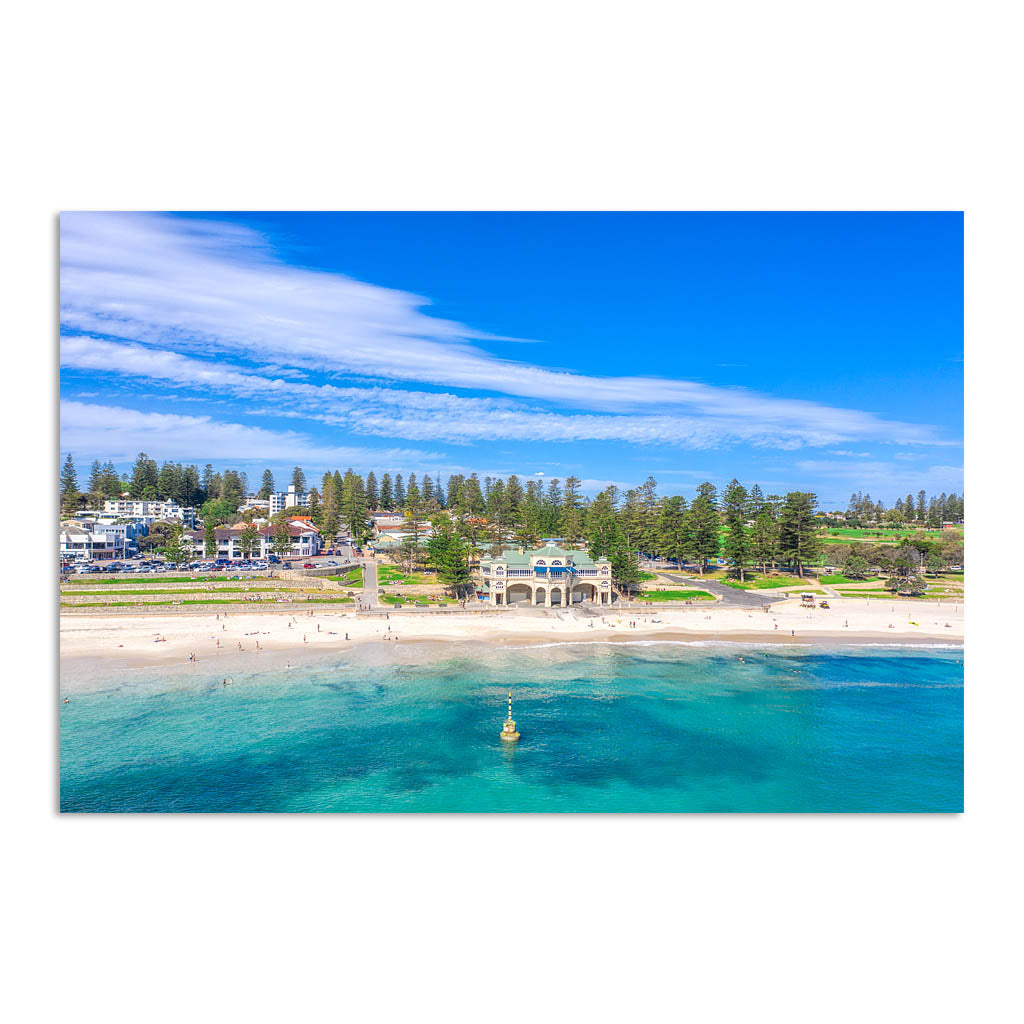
{"x": 508, "y": 729}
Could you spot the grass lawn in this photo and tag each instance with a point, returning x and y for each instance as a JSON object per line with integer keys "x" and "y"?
{"x": 675, "y": 595}
{"x": 201, "y": 590}
{"x": 768, "y": 583}
{"x": 884, "y": 533}
{"x": 839, "y": 578}
{"x": 648, "y": 575}
{"x": 413, "y": 599}
{"x": 202, "y": 601}
{"x": 353, "y": 577}
{"x": 387, "y": 574}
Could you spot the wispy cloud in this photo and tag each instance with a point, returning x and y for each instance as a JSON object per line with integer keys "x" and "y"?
{"x": 431, "y": 416}
{"x": 113, "y": 432}
{"x": 192, "y": 286}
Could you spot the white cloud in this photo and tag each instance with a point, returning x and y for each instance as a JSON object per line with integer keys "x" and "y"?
{"x": 119, "y": 434}
{"x": 431, "y": 416}
{"x": 218, "y": 288}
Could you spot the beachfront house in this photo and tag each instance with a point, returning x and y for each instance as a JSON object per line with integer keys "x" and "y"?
{"x": 305, "y": 539}
{"x": 549, "y": 576}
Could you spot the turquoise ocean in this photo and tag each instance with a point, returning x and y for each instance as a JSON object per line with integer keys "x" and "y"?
{"x": 639, "y": 727}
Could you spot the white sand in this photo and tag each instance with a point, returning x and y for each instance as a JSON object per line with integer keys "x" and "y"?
{"x": 853, "y": 620}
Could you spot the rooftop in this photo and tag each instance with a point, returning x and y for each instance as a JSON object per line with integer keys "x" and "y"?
{"x": 549, "y": 552}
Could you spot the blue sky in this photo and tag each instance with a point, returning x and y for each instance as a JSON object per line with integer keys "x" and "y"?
{"x": 817, "y": 352}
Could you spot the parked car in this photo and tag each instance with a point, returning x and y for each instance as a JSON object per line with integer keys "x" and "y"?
{"x": 308, "y": 565}
{"x": 287, "y": 565}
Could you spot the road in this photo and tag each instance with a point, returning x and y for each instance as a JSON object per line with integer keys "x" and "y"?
{"x": 728, "y": 595}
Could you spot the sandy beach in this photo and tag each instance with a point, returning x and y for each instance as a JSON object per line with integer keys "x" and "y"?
{"x": 144, "y": 640}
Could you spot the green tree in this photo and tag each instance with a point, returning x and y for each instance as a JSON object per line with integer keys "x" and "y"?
{"x": 210, "y": 539}
{"x": 68, "y": 485}
{"x": 799, "y": 530}
{"x": 904, "y": 574}
{"x": 856, "y": 567}
{"x": 674, "y": 538}
{"x": 299, "y": 479}
{"x": 352, "y": 506}
{"x": 372, "y": 491}
{"x": 168, "y": 482}
{"x": 232, "y": 490}
{"x": 267, "y": 486}
{"x": 387, "y": 500}
{"x": 282, "y": 542}
{"x": 626, "y": 573}
{"x": 572, "y": 514}
{"x": 449, "y": 552}
{"x": 175, "y": 550}
{"x": 704, "y": 525}
{"x": 249, "y": 540}
{"x": 96, "y": 478}
{"x": 602, "y": 531}
{"x": 158, "y": 535}
{"x": 218, "y": 511}
{"x": 144, "y": 477}
{"x": 764, "y": 539}
{"x": 737, "y": 541}
{"x": 499, "y": 512}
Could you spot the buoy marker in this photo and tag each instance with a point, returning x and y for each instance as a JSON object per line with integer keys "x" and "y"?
{"x": 508, "y": 730}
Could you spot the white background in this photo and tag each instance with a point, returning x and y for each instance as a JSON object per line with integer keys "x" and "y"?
{"x": 550, "y": 105}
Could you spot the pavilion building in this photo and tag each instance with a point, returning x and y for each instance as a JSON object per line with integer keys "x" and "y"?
{"x": 549, "y": 576}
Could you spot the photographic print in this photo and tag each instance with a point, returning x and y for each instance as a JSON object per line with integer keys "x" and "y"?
{"x": 511, "y": 512}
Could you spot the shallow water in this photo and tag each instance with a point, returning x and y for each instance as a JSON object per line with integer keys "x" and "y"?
{"x": 637, "y": 727}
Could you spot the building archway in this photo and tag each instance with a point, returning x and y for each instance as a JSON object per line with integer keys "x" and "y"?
{"x": 539, "y": 595}
{"x": 557, "y": 596}
{"x": 518, "y": 593}
{"x": 584, "y": 592}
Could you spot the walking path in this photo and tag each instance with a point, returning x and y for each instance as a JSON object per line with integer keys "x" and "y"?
{"x": 368, "y": 598}
{"x": 727, "y": 595}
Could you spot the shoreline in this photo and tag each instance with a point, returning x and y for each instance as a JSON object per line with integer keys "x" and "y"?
{"x": 121, "y": 642}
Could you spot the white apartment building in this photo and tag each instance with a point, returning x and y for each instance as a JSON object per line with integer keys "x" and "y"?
{"x": 82, "y": 540}
{"x": 151, "y": 510}
{"x": 280, "y": 500}
{"x": 256, "y": 504}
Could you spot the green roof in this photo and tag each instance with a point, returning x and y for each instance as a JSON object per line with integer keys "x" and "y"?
{"x": 513, "y": 557}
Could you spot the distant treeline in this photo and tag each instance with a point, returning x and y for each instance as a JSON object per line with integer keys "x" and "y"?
{"x": 745, "y": 526}
{"x": 926, "y": 511}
